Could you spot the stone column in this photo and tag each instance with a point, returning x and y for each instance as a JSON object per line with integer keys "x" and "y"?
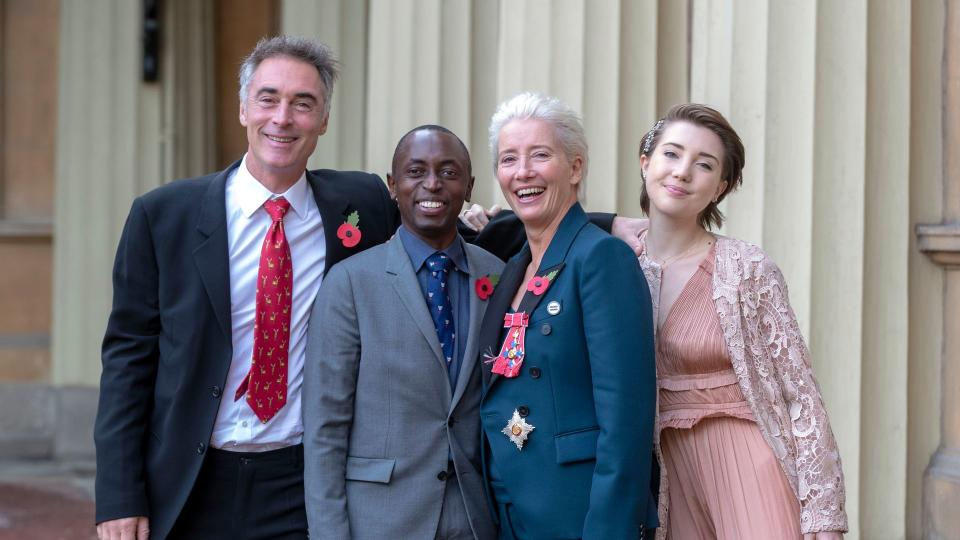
{"x": 97, "y": 167}
{"x": 187, "y": 104}
{"x": 815, "y": 91}
{"x": 117, "y": 137}
{"x": 941, "y": 242}
{"x": 619, "y": 63}
{"x": 342, "y": 25}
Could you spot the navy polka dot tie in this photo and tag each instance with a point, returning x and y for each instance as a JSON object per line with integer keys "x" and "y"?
{"x": 438, "y": 300}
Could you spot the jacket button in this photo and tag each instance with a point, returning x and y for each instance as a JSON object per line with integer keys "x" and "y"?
{"x": 546, "y": 329}
{"x": 442, "y": 476}
{"x": 523, "y": 411}
{"x": 200, "y": 448}
{"x": 451, "y": 421}
{"x": 215, "y": 391}
{"x": 534, "y": 373}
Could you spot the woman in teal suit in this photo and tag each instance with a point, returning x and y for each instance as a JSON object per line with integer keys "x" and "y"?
{"x": 569, "y": 394}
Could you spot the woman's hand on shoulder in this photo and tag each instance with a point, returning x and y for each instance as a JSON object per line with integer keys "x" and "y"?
{"x": 628, "y": 230}
{"x": 476, "y": 217}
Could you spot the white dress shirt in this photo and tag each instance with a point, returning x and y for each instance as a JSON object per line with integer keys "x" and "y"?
{"x": 237, "y": 427}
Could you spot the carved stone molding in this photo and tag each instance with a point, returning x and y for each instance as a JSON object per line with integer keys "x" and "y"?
{"x": 941, "y": 243}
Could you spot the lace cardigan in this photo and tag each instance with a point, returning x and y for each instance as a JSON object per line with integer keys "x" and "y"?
{"x": 773, "y": 370}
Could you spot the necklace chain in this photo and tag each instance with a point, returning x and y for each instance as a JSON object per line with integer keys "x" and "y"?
{"x": 667, "y": 261}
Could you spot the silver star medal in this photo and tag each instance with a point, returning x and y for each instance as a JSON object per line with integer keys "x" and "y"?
{"x": 517, "y": 430}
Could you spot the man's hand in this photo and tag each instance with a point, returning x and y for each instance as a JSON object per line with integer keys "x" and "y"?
{"x": 131, "y": 528}
{"x": 476, "y": 217}
{"x": 628, "y": 230}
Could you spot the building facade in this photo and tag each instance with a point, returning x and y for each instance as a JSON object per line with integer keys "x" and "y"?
{"x": 849, "y": 110}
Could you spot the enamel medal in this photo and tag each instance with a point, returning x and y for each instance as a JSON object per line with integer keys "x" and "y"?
{"x": 511, "y": 355}
{"x": 513, "y": 350}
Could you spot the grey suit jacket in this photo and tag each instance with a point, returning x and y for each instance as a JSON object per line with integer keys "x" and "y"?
{"x": 378, "y": 411}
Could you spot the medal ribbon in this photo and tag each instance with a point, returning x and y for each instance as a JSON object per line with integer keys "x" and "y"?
{"x": 511, "y": 355}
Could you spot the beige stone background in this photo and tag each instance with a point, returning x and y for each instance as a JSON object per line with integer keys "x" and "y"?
{"x": 849, "y": 110}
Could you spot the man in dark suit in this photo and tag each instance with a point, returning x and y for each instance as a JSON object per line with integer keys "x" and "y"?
{"x": 198, "y": 431}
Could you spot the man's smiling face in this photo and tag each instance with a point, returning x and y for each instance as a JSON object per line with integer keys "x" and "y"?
{"x": 431, "y": 180}
{"x": 284, "y": 115}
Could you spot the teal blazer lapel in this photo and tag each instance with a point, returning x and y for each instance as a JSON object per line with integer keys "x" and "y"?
{"x": 553, "y": 259}
{"x": 567, "y": 231}
{"x": 499, "y": 304}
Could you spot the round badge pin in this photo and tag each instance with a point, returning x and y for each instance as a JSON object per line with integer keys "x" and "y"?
{"x": 553, "y": 308}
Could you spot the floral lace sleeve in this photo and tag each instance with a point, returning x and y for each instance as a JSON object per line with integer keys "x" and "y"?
{"x": 819, "y": 476}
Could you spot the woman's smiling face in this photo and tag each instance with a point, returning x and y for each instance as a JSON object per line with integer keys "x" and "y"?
{"x": 538, "y": 180}
{"x": 683, "y": 174}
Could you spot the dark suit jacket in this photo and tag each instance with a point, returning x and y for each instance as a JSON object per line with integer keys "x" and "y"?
{"x": 167, "y": 348}
{"x": 587, "y": 385}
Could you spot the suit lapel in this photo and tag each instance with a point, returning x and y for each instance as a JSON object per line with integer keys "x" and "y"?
{"x": 556, "y": 253}
{"x": 211, "y": 254}
{"x": 469, "y": 363}
{"x": 567, "y": 231}
{"x": 407, "y": 287}
{"x": 499, "y": 304}
{"x": 333, "y": 212}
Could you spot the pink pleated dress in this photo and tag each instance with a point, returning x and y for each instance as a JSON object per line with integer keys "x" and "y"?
{"x": 723, "y": 480}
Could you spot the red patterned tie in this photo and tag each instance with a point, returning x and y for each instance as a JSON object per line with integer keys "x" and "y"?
{"x": 266, "y": 384}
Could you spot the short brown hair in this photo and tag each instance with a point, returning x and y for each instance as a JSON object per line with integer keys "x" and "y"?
{"x": 312, "y": 52}
{"x": 734, "y": 155}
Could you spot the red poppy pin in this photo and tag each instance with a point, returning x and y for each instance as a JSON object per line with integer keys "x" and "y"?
{"x": 349, "y": 232}
{"x": 485, "y": 285}
{"x": 539, "y": 284}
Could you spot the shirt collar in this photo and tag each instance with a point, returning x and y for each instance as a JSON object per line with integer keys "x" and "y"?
{"x": 418, "y": 250}
{"x": 251, "y": 194}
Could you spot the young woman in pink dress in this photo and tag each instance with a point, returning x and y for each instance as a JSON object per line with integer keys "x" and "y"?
{"x": 746, "y": 448}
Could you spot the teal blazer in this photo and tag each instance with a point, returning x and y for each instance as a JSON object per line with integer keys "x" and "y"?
{"x": 587, "y": 385}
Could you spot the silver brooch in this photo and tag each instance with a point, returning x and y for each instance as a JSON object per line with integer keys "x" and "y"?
{"x": 517, "y": 429}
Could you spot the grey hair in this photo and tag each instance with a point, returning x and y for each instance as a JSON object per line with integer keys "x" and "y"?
{"x": 312, "y": 52}
{"x": 566, "y": 123}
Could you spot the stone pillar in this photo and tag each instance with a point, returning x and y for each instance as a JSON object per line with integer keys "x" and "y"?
{"x": 342, "y": 25}
{"x": 99, "y": 83}
{"x": 96, "y": 178}
{"x": 941, "y": 242}
{"x": 117, "y": 137}
{"x": 815, "y": 91}
{"x": 419, "y": 71}
{"x": 187, "y": 87}
{"x": 619, "y": 63}
{"x": 884, "y": 394}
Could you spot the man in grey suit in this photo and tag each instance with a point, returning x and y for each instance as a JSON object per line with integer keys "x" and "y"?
{"x": 391, "y": 386}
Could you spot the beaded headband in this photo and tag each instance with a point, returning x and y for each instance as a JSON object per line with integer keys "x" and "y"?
{"x": 650, "y": 135}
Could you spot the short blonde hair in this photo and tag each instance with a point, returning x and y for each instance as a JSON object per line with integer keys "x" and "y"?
{"x": 532, "y": 106}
